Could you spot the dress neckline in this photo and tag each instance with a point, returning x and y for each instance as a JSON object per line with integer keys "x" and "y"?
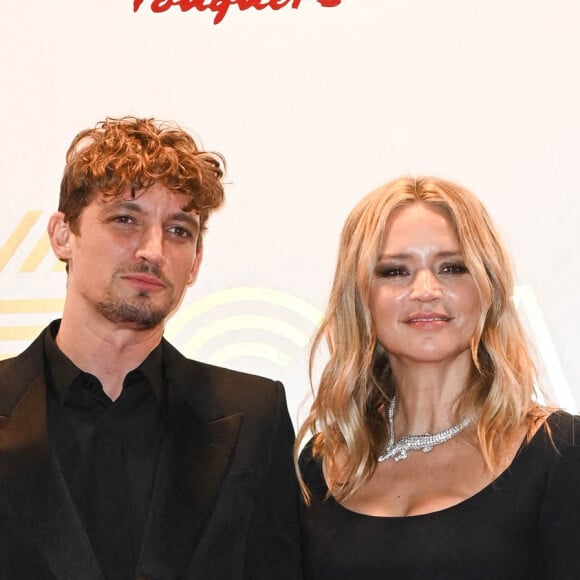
{"x": 523, "y": 448}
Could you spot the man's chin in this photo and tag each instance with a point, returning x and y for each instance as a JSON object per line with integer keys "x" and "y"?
{"x": 140, "y": 316}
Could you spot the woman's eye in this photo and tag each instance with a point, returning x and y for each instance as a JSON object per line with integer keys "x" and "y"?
{"x": 392, "y": 272}
{"x": 454, "y": 268}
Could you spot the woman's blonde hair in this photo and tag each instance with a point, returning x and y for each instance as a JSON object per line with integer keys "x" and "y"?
{"x": 347, "y": 416}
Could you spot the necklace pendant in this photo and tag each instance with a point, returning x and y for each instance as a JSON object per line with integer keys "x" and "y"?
{"x": 398, "y": 450}
{"x": 402, "y": 454}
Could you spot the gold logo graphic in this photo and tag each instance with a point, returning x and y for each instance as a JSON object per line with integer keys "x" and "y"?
{"x": 244, "y": 322}
{"x": 38, "y": 252}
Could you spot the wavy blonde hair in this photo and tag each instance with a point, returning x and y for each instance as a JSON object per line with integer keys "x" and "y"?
{"x": 347, "y": 415}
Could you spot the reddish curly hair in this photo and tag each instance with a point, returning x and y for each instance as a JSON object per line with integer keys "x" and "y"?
{"x": 132, "y": 154}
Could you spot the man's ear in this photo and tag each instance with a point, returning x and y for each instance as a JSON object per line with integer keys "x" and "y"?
{"x": 59, "y": 235}
{"x": 195, "y": 268}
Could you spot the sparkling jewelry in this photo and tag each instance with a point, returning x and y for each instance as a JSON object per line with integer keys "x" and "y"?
{"x": 399, "y": 449}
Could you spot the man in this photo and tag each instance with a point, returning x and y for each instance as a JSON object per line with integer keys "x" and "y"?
{"x": 120, "y": 458}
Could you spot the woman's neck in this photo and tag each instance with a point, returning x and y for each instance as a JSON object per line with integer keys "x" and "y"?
{"x": 427, "y": 393}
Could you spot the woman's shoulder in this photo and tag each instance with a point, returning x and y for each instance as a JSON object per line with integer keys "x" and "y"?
{"x": 311, "y": 469}
{"x": 560, "y": 520}
{"x": 563, "y": 429}
{"x": 307, "y": 461}
{"x": 558, "y": 438}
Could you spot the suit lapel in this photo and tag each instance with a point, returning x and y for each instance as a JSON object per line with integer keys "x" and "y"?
{"x": 194, "y": 459}
{"x": 31, "y": 478}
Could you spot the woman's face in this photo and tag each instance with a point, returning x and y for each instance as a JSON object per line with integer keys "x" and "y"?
{"x": 424, "y": 303}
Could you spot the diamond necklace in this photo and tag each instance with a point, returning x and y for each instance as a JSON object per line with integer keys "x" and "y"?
{"x": 399, "y": 449}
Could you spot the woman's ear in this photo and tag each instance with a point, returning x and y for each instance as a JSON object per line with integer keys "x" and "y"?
{"x": 59, "y": 235}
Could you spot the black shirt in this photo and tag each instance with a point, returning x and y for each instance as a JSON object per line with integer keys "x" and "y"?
{"x": 108, "y": 451}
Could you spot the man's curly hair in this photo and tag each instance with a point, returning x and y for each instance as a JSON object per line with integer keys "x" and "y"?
{"x": 126, "y": 155}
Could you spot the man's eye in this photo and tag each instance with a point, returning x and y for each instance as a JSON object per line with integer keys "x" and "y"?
{"x": 180, "y": 232}
{"x": 123, "y": 219}
{"x": 454, "y": 268}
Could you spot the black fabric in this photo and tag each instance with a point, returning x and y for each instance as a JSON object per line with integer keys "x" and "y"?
{"x": 225, "y": 499}
{"x": 524, "y": 525}
{"x": 108, "y": 452}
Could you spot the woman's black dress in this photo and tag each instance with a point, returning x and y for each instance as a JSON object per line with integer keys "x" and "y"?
{"x": 524, "y": 525}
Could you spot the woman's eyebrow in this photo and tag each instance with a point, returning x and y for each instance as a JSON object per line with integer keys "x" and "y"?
{"x": 407, "y": 255}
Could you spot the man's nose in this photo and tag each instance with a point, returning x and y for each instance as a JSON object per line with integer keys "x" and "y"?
{"x": 151, "y": 246}
{"x": 426, "y": 286}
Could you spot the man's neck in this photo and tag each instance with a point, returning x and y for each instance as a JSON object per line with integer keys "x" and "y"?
{"x": 106, "y": 350}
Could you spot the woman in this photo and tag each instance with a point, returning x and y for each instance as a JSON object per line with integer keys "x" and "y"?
{"x": 431, "y": 458}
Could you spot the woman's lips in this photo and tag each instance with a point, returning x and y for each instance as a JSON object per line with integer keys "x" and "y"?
{"x": 427, "y": 319}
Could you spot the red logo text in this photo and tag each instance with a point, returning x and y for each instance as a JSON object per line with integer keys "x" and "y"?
{"x": 221, "y": 7}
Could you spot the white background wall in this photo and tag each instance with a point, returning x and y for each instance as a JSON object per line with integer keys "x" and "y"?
{"x": 312, "y": 108}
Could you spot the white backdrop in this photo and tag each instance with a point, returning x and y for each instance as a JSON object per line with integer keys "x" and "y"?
{"x": 313, "y": 107}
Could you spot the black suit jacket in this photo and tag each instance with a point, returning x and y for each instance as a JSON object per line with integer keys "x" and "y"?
{"x": 225, "y": 498}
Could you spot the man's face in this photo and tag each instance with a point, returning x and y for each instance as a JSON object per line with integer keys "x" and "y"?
{"x": 132, "y": 258}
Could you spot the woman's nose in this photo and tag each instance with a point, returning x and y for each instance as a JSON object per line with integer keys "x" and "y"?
{"x": 426, "y": 286}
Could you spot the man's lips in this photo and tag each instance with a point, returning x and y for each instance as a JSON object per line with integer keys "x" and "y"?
{"x": 144, "y": 280}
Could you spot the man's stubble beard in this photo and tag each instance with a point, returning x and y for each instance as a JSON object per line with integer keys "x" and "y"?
{"x": 137, "y": 311}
